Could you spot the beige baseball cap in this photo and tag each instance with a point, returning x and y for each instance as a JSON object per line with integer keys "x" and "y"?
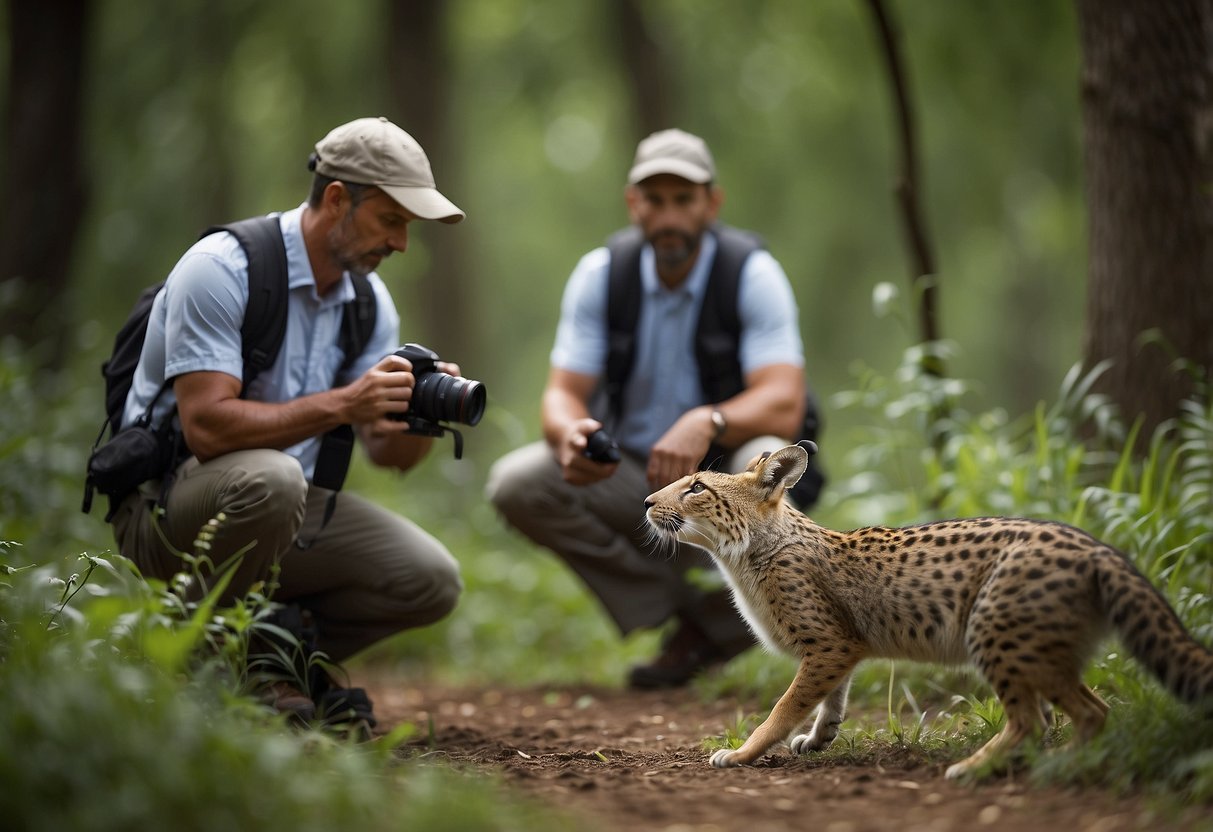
{"x": 373, "y": 151}
{"x": 673, "y": 151}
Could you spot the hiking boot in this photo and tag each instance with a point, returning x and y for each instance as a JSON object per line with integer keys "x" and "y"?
{"x": 685, "y": 655}
{"x": 347, "y": 712}
{"x": 287, "y": 699}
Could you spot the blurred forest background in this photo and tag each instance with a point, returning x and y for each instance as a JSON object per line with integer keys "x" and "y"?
{"x": 130, "y": 126}
{"x": 1031, "y": 178}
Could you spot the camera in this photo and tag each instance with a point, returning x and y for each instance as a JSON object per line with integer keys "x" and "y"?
{"x": 439, "y": 397}
{"x": 600, "y": 447}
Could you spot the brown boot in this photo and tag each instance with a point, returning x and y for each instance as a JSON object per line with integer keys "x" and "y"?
{"x": 285, "y": 698}
{"x": 685, "y": 655}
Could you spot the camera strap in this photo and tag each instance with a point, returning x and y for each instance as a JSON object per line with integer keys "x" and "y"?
{"x": 332, "y": 464}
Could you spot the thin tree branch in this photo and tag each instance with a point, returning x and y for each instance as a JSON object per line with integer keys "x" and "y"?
{"x": 922, "y": 260}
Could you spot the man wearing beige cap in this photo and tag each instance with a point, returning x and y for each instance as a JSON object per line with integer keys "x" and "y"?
{"x": 357, "y": 572}
{"x": 681, "y": 339}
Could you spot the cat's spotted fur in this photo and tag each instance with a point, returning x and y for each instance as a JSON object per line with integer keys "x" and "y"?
{"x": 1024, "y": 601}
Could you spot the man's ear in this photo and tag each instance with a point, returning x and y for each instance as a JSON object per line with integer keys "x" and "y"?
{"x": 715, "y": 202}
{"x": 782, "y": 469}
{"x": 336, "y": 197}
{"x": 632, "y": 196}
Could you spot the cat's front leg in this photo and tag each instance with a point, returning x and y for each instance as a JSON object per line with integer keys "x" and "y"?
{"x": 829, "y": 716}
{"x": 815, "y": 678}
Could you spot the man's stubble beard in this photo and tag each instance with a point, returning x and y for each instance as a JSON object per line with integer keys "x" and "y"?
{"x": 673, "y": 257}
{"x": 354, "y": 263}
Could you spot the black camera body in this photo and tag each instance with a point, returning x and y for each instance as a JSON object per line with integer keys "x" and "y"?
{"x": 601, "y": 447}
{"x": 439, "y": 397}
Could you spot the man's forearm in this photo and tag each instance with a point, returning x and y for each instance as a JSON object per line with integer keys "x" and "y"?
{"x": 772, "y": 403}
{"x": 239, "y": 424}
{"x": 560, "y": 409}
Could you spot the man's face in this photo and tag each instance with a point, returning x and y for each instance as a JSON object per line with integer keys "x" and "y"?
{"x": 369, "y": 231}
{"x": 673, "y": 213}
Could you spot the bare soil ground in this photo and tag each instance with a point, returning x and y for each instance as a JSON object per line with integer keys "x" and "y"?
{"x": 635, "y": 760}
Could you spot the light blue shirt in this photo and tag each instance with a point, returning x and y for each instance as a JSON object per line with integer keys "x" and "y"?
{"x": 664, "y": 382}
{"x": 195, "y": 326}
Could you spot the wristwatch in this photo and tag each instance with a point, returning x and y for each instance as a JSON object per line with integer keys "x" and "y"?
{"x": 719, "y": 423}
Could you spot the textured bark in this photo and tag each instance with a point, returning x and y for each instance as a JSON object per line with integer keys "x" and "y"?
{"x": 421, "y": 93}
{"x": 1147, "y": 87}
{"x": 43, "y": 172}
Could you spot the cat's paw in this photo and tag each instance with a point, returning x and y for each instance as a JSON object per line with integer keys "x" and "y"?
{"x": 805, "y": 743}
{"x": 959, "y": 771}
{"x": 725, "y": 758}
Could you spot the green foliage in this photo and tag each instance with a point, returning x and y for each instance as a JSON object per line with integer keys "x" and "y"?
{"x": 1150, "y": 743}
{"x": 46, "y": 429}
{"x": 117, "y": 713}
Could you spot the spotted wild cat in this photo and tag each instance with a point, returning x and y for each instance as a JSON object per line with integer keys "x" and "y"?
{"x": 1024, "y": 601}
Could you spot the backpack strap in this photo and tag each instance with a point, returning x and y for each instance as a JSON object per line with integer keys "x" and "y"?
{"x": 264, "y": 326}
{"x": 718, "y": 333}
{"x": 337, "y": 446}
{"x": 623, "y": 312}
{"x": 357, "y": 321}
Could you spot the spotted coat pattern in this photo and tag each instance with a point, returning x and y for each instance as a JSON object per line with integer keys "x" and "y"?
{"x": 1024, "y": 601}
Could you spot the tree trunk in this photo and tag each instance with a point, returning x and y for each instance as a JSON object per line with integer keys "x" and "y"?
{"x": 1147, "y": 86}
{"x": 646, "y": 67}
{"x": 421, "y": 92}
{"x": 42, "y": 171}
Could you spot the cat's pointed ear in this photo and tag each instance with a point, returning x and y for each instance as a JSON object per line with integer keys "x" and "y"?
{"x": 782, "y": 469}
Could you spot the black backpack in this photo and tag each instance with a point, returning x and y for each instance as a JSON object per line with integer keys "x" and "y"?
{"x": 143, "y": 451}
{"x": 717, "y": 336}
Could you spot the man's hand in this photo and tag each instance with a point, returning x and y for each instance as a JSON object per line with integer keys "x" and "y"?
{"x": 679, "y": 451}
{"x": 387, "y": 388}
{"x": 383, "y": 390}
{"x": 570, "y": 453}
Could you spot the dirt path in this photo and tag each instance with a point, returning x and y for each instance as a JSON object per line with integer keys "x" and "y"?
{"x": 634, "y": 761}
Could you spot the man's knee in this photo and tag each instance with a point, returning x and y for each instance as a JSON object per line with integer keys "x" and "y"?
{"x": 276, "y": 479}
{"x": 255, "y": 482}
{"x": 437, "y": 597}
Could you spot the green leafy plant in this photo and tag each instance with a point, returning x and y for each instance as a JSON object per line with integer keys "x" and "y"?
{"x": 734, "y": 735}
{"x": 115, "y": 713}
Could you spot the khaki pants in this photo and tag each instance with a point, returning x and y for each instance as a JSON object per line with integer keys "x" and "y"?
{"x": 369, "y": 574}
{"x": 600, "y": 531}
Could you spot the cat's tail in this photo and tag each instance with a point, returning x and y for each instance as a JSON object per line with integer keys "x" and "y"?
{"x": 1151, "y": 631}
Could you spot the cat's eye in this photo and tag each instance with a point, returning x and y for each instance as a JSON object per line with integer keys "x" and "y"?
{"x": 696, "y": 487}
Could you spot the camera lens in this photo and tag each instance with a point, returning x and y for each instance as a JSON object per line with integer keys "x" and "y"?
{"x": 439, "y": 397}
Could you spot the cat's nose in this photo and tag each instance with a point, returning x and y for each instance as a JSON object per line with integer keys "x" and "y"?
{"x": 648, "y": 504}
